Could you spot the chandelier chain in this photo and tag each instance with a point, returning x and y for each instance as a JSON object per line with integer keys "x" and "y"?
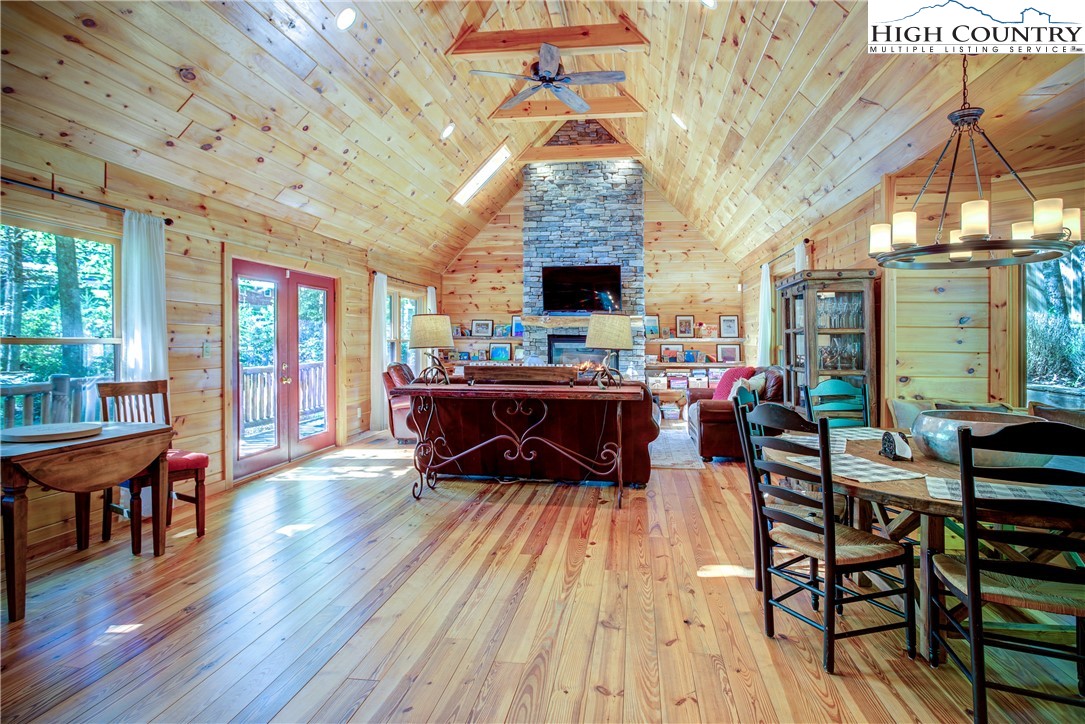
{"x": 964, "y": 82}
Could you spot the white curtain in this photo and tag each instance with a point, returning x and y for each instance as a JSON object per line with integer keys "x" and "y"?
{"x": 145, "y": 346}
{"x": 801, "y": 260}
{"x": 378, "y": 350}
{"x": 431, "y": 300}
{"x": 764, "y": 319}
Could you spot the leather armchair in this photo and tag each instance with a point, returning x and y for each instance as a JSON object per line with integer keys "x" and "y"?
{"x": 399, "y": 406}
{"x": 712, "y": 423}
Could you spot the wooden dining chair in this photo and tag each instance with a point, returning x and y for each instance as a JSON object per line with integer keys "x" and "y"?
{"x": 844, "y": 404}
{"x": 1005, "y": 574}
{"x": 806, "y": 525}
{"x": 149, "y": 402}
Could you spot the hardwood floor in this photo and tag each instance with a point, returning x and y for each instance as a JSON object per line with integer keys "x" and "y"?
{"x": 327, "y": 593}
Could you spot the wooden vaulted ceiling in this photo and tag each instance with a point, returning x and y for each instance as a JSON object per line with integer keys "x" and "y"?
{"x": 266, "y": 105}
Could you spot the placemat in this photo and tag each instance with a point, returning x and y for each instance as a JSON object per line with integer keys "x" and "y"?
{"x": 950, "y": 489}
{"x": 857, "y": 433}
{"x": 859, "y": 469}
{"x": 836, "y": 444}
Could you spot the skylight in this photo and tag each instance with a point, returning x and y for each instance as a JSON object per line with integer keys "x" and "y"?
{"x": 483, "y": 175}
{"x": 710, "y": 4}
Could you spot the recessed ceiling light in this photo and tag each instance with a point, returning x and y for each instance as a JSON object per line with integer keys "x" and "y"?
{"x": 679, "y": 121}
{"x": 482, "y": 175}
{"x": 710, "y": 4}
{"x": 448, "y": 131}
{"x": 345, "y": 18}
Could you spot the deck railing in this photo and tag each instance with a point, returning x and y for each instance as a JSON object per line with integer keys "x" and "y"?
{"x": 259, "y": 388}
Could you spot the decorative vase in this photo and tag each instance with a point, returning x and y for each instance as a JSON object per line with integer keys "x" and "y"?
{"x": 935, "y": 433}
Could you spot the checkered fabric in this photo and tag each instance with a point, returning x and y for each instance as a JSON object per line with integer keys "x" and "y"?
{"x": 857, "y": 433}
{"x": 859, "y": 469}
{"x": 836, "y": 445}
{"x": 950, "y": 489}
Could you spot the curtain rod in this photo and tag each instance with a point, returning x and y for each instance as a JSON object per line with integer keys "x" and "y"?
{"x": 782, "y": 254}
{"x": 397, "y": 279}
{"x": 103, "y": 204}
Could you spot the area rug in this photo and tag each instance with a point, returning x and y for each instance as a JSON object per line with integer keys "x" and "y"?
{"x": 674, "y": 449}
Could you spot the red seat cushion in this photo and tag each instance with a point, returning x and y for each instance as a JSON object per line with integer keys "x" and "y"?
{"x": 727, "y": 381}
{"x": 185, "y": 460}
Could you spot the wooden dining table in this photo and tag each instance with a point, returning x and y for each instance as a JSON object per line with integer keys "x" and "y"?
{"x": 899, "y": 508}
{"x": 81, "y": 466}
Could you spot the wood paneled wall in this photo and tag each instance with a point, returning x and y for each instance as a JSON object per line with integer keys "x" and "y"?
{"x": 204, "y": 232}
{"x": 684, "y": 272}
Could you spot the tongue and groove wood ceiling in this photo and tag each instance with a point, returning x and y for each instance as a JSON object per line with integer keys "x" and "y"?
{"x": 267, "y": 106}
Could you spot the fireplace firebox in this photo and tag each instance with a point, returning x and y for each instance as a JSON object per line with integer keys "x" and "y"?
{"x": 569, "y": 349}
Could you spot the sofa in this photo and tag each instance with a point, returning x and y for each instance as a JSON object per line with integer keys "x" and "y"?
{"x": 712, "y": 423}
{"x": 580, "y": 426}
{"x": 399, "y": 406}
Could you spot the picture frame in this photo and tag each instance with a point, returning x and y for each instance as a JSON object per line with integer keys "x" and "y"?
{"x": 455, "y": 330}
{"x": 683, "y": 326}
{"x": 518, "y": 354}
{"x": 671, "y": 352}
{"x": 482, "y": 327}
{"x": 500, "y": 351}
{"x": 517, "y": 326}
{"x": 728, "y": 325}
{"x": 728, "y": 353}
{"x": 651, "y": 326}
{"x": 465, "y": 356}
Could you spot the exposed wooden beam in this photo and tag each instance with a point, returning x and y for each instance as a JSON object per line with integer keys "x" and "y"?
{"x": 620, "y": 37}
{"x": 555, "y": 110}
{"x": 595, "y": 152}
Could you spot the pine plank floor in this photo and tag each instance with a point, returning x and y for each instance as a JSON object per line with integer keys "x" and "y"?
{"x": 326, "y": 593}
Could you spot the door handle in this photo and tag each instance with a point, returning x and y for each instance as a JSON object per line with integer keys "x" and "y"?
{"x": 286, "y": 380}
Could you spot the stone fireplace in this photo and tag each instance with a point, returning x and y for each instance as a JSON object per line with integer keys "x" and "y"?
{"x": 577, "y": 214}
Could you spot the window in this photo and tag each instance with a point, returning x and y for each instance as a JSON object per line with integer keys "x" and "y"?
{"x": 485, "y": 172}
{"x": 399, "y": 312}
{"x": 58, "y": 322}
{"x": 1055, "y": 331}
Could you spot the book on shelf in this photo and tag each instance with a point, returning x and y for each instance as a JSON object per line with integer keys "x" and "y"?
{"x": 678, "y": 383}
{"x": 698, "y": 382}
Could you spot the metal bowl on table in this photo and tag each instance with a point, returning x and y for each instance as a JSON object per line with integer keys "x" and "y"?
{"x": 935, "y": 434}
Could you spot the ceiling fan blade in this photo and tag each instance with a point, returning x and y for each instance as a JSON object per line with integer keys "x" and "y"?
{"x": 549, "y": 60}
{"x": 594, "y": 77}
{"x": 520, "y": 97}
{"x": 498, "y": 74}
{"x": 570, "y": 98}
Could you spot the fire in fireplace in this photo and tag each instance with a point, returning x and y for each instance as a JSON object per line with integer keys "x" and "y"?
{"x": 569, "y": 349}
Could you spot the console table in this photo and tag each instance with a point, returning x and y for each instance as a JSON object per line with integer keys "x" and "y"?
{"x": 519, "y": 411}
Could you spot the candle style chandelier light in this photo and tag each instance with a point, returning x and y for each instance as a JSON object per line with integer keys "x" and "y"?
{"x": 1052, "y": 233}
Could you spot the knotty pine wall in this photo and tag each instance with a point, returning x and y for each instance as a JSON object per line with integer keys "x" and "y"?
{"x": 205, "y": 232}
{"x": 684, "y": 272}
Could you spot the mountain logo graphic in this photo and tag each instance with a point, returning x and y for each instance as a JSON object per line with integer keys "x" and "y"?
{"x": 956, "y": 11}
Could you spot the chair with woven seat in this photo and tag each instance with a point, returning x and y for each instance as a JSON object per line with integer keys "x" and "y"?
{"x": 1016, "y": 569}
{"x": 149, "y": 402}
{"x": 808, "y": 527}
{"x": 844, "y": 404}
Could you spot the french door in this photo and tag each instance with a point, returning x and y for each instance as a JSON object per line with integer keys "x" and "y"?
{"x": 284, "y": 365}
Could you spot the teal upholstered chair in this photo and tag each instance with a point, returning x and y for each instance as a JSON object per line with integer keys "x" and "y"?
{"x": 844, "y": 404}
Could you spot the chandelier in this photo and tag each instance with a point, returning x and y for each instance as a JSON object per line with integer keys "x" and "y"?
{"x": 1052, "y": 233}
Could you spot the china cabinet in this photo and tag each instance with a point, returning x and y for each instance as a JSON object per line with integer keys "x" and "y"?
{"x": 827, "y": 320}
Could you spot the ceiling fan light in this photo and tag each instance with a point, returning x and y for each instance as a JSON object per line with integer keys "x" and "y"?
{"x": 345, "y": 18}
{"x": 448, "y": 131}
{"x": 679, "y": 121}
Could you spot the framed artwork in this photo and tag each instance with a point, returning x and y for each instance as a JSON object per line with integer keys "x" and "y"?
{"x": 728, "y": 352}
{"x": 671, "y": 352}
{"x": 500, "y": 351}
{"x": 482, "y": 327}
{"x": 683, "y": 324}
{"x": 728, "y": 325}
{"x": 518, "y": 354}
{"x": 651, "y": 326}
{"x": 455, "y": 330}
{"x": 517, "y": 326}
{"x": 465, "y": 356}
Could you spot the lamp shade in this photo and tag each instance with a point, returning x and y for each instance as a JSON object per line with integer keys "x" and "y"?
{"x": 430, "y": 331}
{"x": 881, "y": 238}
{"x": 609, "y": 331}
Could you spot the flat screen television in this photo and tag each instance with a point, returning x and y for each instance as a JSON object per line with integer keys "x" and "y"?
{"x": 581, "y": 289}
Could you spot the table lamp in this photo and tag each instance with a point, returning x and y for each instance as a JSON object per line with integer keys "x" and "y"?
{"x": 429, "y": 332}
{"x": 611, "y": 332}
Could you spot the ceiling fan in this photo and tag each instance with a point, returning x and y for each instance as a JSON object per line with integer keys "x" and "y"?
{"x": 549, "y": 73}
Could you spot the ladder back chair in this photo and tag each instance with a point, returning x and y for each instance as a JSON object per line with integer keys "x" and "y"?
{"x": 844, "y": 404}
{"x": 1016, "y": 566}
{"x": 807, "y": 526}
{"x": 149, "y": 402}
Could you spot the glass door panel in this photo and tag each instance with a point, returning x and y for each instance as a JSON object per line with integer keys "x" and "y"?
{"x": 312, "y": 361}
{"x": 258, "y": 318}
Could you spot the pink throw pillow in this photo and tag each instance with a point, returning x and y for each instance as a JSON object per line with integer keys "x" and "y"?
{"x": 727, "y": 381}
